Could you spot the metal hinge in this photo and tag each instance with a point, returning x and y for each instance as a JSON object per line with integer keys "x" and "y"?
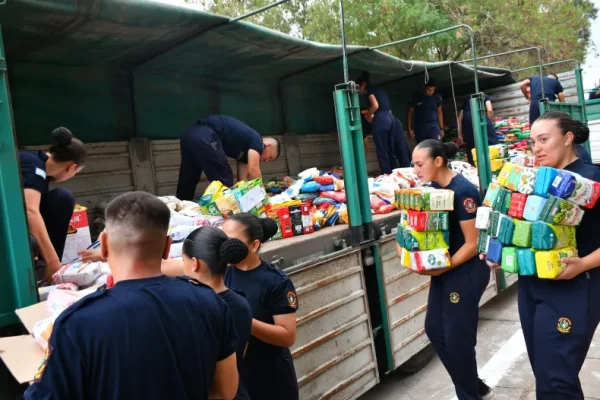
{"x": 2, "y": 60}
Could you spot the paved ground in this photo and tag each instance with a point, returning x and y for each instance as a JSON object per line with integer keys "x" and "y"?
{"x": 502, "y": 361}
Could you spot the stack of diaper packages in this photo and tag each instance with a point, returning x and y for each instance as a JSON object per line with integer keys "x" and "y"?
{"x": 498, "y": 156}
{"x": 423, "y": 229}
{"x": 529, "y": 217}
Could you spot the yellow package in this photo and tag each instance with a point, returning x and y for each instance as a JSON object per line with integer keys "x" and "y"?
{"x": 505, "y": 174}
{"x": 549, "y": 264}
{"x": 405, "y": 260}
{"x": 493, "y": 151}
{"x": 227, "y": 204}
{"x": 213, "y": 188}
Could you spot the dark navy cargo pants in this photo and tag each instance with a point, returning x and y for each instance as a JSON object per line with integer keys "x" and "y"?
{"x": 451, "y": 323}
{"x": 430, "y": 130}
{"x": 201, "y": 151}
{"x": 388, "y": 135}
{"x": 558, "y": 319}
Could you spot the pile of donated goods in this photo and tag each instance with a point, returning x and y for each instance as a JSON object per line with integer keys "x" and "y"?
{"x": 518, "y": 153}
{"x": 529, "y": 217}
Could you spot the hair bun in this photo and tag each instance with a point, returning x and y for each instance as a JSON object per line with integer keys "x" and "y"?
{"x": 62, "y": 136}
{"x": 233, "y": 251}
{"x": 582, "y": 132}
{"x": 365, "y": 75}
{"x": 450, "y": 148}
{"x": 270, "y": 228}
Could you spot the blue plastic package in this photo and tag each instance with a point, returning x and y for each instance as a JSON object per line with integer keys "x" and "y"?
{"x": 494, "y": 253}
{"x": 543, "y": 181}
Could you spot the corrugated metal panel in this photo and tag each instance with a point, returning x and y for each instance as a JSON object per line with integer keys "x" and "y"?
{"x": 510, "y": 279}
{"x": 508, "y": 101}
{"x": 166, "y": 161}
{"x": 323, "y": 151}
{"x": 334, "y": 354}
{"x": 406, "y": 296}
{"x": 107, "y": 173}
{"x": 595, "y": 140}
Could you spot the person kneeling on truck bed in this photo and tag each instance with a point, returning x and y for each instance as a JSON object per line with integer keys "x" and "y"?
{"x": 150, "y": 336}
{"x": 206, "y": 145}
{"x": 49, "y": 211}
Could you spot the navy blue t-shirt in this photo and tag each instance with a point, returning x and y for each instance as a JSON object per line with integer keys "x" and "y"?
{"x": 155, "y": 338}
{"x": 552, "y": 88}
{"x": 593, "y": 95}
{"x": 466, "y": 201}
{"x": 237, "y": 138}
{"x": 425, "y": 107}
{"x": 33, "y": 170}
{"x": 242, "y": 317}
{"x": 583, "y": 154}
{"x": 588, "y": 232}
{"x": 269, "y": 292}
{"x": 467, "y": 106}
{"x": 381, "y": 97}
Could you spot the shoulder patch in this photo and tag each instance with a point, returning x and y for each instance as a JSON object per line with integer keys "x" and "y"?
{"x": 469, "y": 205}
{"x": 42, "y": 367}
{"x": 292, "y": 299}
{"x": 40, "y": 172}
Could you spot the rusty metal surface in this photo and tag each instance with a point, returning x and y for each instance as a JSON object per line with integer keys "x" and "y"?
{"x": 334, "y": 354}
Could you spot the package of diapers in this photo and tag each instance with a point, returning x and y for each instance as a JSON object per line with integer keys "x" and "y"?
{"x": 491, "y": 195}
{"x": 176, "y": 249}
{"x": 483, "y": 240}
{"x": 431, "y": 259}
{"x": 526, "y": 261}
{"x": 550, "y": 264}
{"x": 405, "y": 258}
{"x": 42, "y": 330}
{"x": 543, "y": 181}
{"x": 517, "y": 205}
{"x": 561, "y": 212}
{"x": 502, "y": 203}
{"x": 514, "y": 178}
{"x": 527, "y": 183}
{"x": 563, "y": 185}
{"x": 494, "y": 221}
{"x": 533, "y": 207}
{"x": 78, "y": 273}
{"x": 179, "y": 233}
{"x": 586, "y": 192}
{"x": 547, "y": 237}
{"x": 413, "y": 240}
{"x": 510, "y": 262}
{"x": 482, "y": 220}
{"x": 522, "y": 234}
{"x": 494, "y": 253}
{"x": 428, "y": 221}
{"x": 506, "y": 229}
{"x": 44, "y": 291}
{"x": 505, "y": 174}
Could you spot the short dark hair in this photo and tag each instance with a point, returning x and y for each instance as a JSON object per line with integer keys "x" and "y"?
{"x": 212, "y": 246}
{"x": 363, "y": 78}
{"x": 555, "y": 76}
{"x": 254, "y": 228}
{"x": 430, "y": 83}
{"x": 436, "y": 149}
{"x": 581, "y": 132}
{"x": 139, "y": 211}
{"x": 66, "y": 148}
{"x": 278, "y": 147}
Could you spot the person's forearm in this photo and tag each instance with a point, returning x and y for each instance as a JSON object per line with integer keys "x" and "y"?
{"x": 464, "y": 254}
{"x": 440, "y": 116}
{"x": 40, "y": 233}
{"x": 273, "y": 334}
{"x": 373, "y": 110}
{"x": 490, "y": 114}
{"x": 409, "y": 124}
{"x": 524, "y": 91}
{"x": 254, "y": 173}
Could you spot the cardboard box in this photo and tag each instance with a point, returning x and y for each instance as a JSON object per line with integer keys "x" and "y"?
{"x": 78, "y": 237}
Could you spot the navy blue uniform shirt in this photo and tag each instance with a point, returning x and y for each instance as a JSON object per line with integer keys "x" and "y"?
{"x": 155, "y": 338}
{"x": 466, "y": 201}
{"x": 237, "y": 138}
{"x": 593, "y": 95}
{"x": 425, "y": 107}
{"x": 381, "y": 97}
{"x": 467, "y": 106}
{"x": 269, "y": 292}
{"x": 33, "y": 170}
{"x": 588, "y": 232}
{"x": 552, "y": 88}
{"x": 242, "y": 317}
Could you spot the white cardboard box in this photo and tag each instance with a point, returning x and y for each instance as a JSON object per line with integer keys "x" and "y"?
{"x": 78, "y": 237}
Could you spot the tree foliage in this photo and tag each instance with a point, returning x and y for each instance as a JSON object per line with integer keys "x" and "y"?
{"x": 560, "y": 28}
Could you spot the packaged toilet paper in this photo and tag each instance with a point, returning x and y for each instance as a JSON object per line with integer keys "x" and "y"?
{"x": 482, "y": 220}
{"x": 563, "y": 185}
{"x": 510, "y": 262}
{"x": 547, "y": 237}
{"x": 561, "y": 212}
{"x": 506, "y": 229}
{"x": 491, "y": 195}
{"x": 517, "y": 205}
{"x": 527, "y": 183}
{"x": 502, "y": 203}
{"x": 483, "y": 240}
{"x": 526, "y": 261}
{"x": 533, "y": 207}
{"x": 514, "y": 178}
{"x": 413, "y": 240}
{"x": 586, "y": 192}
{"x": 494, "y": 253}
{"x": 494, "y": 221}
{"x": 550, "y": 264}
{"x": 505, "y": 174}
{"x": 543, "y": 181}
{"x": 522, "y": 234}
{"x": 431, "y": 259}
{"x": 428, "y": 221}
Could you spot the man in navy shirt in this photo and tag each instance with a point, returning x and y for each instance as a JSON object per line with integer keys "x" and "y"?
{"x": 552, "y": 90}
{"x": 425, "y": 114}
{"x": 150, "y": 336}
{"x": 595, "y": 93}
{"x": 206, "y": 145}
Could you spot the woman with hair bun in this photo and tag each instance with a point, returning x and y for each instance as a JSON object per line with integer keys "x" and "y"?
{"x": 207, "y": 252}
{"x": 49, "y": 211}
{"x": 559, "y": 316}
{"x": 268, "y": 365}
{"x": 455, "y": 292}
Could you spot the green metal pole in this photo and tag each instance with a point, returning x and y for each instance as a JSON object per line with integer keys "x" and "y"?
{"x": 258, "y": 11}
{"x": 484, "y": 168}
{"x": 549, "y": 64}
{"x": 344, "y": 51}
{"x": 345, "y": 128}
{"x": 581, "y": 99}
{"x": 17, "y": 281}
{"x": 384, "y": 308}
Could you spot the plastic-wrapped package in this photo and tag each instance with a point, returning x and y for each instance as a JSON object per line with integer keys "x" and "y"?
{"x": 510, "y": 262}
{"x": 78, "y": 273}
{"x": 549, "y": 264}
{"x": 561, "y": 212}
